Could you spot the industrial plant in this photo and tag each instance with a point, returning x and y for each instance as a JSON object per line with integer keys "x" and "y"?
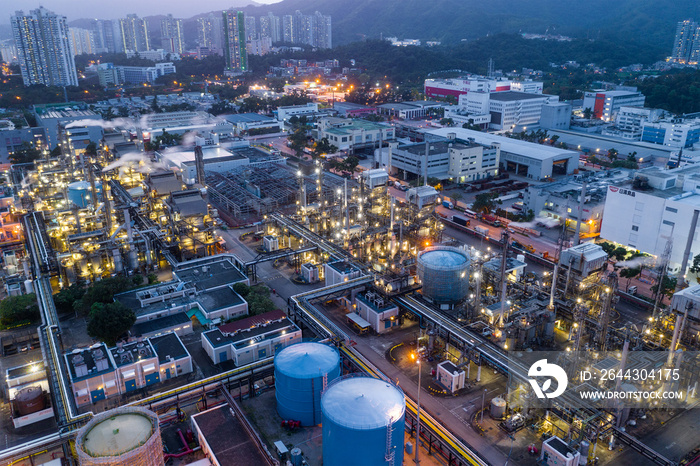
{"x": 385, "y": 303}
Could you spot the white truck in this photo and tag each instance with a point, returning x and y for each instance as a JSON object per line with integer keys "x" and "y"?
{"x": 482, "y": 230}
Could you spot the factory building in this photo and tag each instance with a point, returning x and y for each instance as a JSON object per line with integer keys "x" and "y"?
{"x": 455, "y": 87}
{"x": 350, "y": 135}
{"x": 201, "y": 290}
{"x": 250, "y": 339}
{"x": 254, "y": 123}
{"x": 556, "y": 452}
{"x": 523, "y": 158}
{"x": 49, "y": 116}
{"x": 97, "y": 373}
{"x": 284, "y": 114}
{"x": 605, "y": 105}
{"x": 382, "y": 315}
{"x": 448, "y": 158}
{"x": 227, "y": 437}
{"x": 409, "y": 110}
{"x": 216, "y": 159}
{"x": 658, "y": 205}
{"x": 339, "y": 271}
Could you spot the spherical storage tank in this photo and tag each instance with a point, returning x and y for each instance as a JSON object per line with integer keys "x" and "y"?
{"x": 128, "y": 435}
{"x": 359, "y": 415}
{"x": 299, "y": 373}
{"x": 80, "y": 193}
{"x": 444, "y": 272}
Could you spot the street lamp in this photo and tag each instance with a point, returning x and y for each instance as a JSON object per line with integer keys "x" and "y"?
{"x": 483, "y": 404}
{"x": 420, "y": 367}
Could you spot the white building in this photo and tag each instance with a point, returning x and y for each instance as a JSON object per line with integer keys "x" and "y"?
{"x": 630, "y": 121}
{"x": 285, "y": 113}
{"x": 556, "y": 452}
{"x": 251, "y": 339}
{"x": 448, "y": 158}
{"x": 672, "y": 133}
{"x": 517, "y": 110}
{"x": 455, "y": 87}
{"x": 382, "y": 315}
{"x": 352, "y": 134}
{"x": 339, "y": 272}
{"x": 525, "y": 158}
{"x": 450, "y": 376}
{"x": 606, "y": 104}
{"x": 646, "y": 219}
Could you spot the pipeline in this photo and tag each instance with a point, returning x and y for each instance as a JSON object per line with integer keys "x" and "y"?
{"x": 186, "y": 450}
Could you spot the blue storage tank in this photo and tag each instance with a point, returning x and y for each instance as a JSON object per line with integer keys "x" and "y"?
{"x": 80, "y": 194}
{"x": 359, "y": 415}
{"x": 299, "y": 373}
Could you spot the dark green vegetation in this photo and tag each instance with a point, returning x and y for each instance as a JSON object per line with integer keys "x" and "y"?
{"x": 108, "y": 322}
{"x": 677, "y": 92}
{"x": 79, "y": 299}
{"x": 647, "y": 22}
{"x": 16, "y": 311}
{"x": 258, "y": 298}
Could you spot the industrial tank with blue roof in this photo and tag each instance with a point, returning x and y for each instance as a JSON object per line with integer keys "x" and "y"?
{"x": 363, "y": 423}
{"x": 299, "y": 379}
{"x": 444, "y": 274}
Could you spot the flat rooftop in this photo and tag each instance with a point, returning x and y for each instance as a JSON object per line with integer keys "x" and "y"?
{"x": 511, "y": 96}
{"x": 132, "y": 352}
{"x": 227, "y": 437}
{"x": 208, "y": 274}
{"x": 218, "y": 298}
{"x": 248, "y": 118}
{"x": 88, "y": 363}
{"x": 435, "y": 147}
{"x": 245, "y": 337}
{"x": 19, "y": 371}
{"x": 509, "y": 145}
{"x": 153, "y": 325}
{"x": 168, "y": 345}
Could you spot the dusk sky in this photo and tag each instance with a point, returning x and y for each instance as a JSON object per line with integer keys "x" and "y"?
{"x": 76, "y": 9}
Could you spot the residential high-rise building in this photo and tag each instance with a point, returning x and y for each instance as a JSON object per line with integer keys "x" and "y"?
{"x": 107, "y": 36}
{"x": 171, "y": 35}
{"x": 134, "y": 32}
{"x": 306, "y": 28}
{"x": 209, "y": 32}
{"x": 43, "y": 48}
{"x": 323, "y": 31}
{"x": 235, "y": 42}
{"x": 686, "y": 45}
{"x": 270, "y": 27}
{"x": 81, "y": 41}
{"x": 250, "y": 28}
{"x": 314, "y": 30}
{"x": 288, "y": 31}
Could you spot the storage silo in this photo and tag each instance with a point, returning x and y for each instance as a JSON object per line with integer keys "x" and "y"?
{"x": 444, "y": 273}
{"x": 299, "y": 379}
{"x": 80, "y": 193}
{"x": 128, "y": 435}
{"x": 363, "y": 423}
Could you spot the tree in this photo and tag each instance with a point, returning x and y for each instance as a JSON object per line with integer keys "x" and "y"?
{"x": 220, "y": 107}
{"x": 629, "y": 274}
{"x": 27, "y": 153}
{"x": 668, "y": 286}
{"x": 695, "y": 267}
{"x": 587, "y": 113}
{"x": 91, "y": 149}
{"x": 104, "y": 291}
{"x": 483, "y": 203}
{"x": 447, "y": 122}
{"x": 65, "y": 298}
{"x": 18, "y": 310}
{"x": 259, "y": 300}
{"x": 297, "y": 140}
{"x": 456, "y": 197}
{"x": 612, "y": 154}
{"x": 323, "y": 147}
{"x": 242, "y": 289}
{"x": 107, "y": 322}
{"x": 619, "y": 253}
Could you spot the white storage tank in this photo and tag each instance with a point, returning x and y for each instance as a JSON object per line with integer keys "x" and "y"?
{"x": 363, "y": 423}
{"x": 444, "y": 273}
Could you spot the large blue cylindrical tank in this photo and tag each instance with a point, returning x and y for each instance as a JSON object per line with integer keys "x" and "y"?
{"x": 359, "y": 415}
{"x": 444, "y": 273}
{"x": 299, "y": 374}
{"x": 80, "y": 194}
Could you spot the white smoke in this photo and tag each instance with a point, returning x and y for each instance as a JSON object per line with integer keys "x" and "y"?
{"x": 546, "y": 221}
{"x": 137, "y": 161}
{"x": 188, "y": 139}
{"x": 636, "y": 262}
{"x": 106, "y": 124}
